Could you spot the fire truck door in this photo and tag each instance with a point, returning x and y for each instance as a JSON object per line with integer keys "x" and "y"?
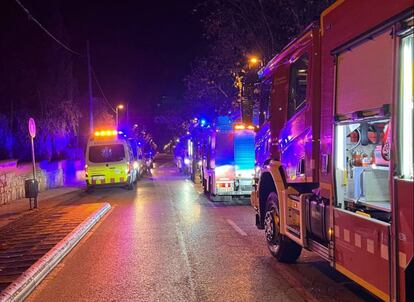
{"x": 403, "y": 186}
{"x": 362, "y": 246}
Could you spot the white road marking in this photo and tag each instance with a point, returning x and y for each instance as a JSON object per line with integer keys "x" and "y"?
{"x": 236, "y": 227}
{"x": 183, "y": 248}
{"x": 184, "y": 252}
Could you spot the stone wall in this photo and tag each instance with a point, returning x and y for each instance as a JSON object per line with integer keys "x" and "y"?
{"x": 49, "y": 175}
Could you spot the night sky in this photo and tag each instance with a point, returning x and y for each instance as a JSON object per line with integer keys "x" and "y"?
{"x": 141, "y": 50}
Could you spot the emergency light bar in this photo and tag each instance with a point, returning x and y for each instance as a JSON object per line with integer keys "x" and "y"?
{"x": 107, "y": 133}
{"x": 243, "y": 127}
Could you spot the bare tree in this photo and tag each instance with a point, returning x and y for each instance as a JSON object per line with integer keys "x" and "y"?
{"x": 236, "y": 29}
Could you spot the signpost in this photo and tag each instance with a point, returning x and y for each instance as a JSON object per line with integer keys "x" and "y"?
{"x": 32, "y": 184}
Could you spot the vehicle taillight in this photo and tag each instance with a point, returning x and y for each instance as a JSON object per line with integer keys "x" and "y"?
{"x": 224, "y": 185}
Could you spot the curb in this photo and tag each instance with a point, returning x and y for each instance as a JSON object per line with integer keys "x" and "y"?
{"x": 27, "y": 282}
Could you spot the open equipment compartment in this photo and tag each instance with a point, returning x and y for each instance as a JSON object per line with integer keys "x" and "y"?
{"x": 362, "y": 167}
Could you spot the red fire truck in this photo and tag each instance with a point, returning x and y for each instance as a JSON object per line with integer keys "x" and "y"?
{"x": 340, "y": 178}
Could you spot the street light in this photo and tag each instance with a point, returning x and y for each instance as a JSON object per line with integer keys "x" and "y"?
{"x": 254, "y": 61}
{"x": 116, "y": 113}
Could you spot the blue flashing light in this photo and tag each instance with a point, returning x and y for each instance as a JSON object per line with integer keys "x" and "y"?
{"x": 244, "y": 155}
{"x": 203, "y": 122}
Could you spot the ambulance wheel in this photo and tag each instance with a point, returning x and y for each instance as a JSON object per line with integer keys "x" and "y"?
{"x": 280, "y": 246}
{"x": 89, "y": 189}
{"x": 130, "y": 186}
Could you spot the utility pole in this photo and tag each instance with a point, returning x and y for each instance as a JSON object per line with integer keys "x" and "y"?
{"x": 90, "y": 88}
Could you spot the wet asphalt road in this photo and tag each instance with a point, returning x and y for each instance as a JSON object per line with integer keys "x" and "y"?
{"x": 165, "y": 241}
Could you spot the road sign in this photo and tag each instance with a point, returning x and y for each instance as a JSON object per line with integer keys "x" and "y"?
{"x": 32, "y": 127}
{"x": 32, "y": 132}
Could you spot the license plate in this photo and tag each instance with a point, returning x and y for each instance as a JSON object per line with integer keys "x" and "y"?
{"x": 98, "y": 177}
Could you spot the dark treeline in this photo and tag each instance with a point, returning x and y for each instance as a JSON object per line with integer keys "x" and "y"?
{"x": 236, "y": 30}
{"x": 41, "y": 79}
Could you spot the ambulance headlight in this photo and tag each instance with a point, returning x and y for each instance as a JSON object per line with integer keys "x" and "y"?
{"x": 186, "y": 161}
{"x": 135, "y": 165}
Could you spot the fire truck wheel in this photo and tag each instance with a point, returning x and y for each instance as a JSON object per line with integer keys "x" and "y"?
{"x": 204, "y": 185}
{"x": 280, "y": 246}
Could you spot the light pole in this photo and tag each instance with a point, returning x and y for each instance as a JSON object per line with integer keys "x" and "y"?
{"x": 246, "y": 88}
{"x": 116, "y": 114}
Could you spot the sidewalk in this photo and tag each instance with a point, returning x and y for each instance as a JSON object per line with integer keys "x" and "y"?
{"x": 18, "y": 208}
{"x": 33, "y": 242}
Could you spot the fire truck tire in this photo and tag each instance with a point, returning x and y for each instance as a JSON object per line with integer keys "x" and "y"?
{"x": 204, "y": 185}
{"x": 209, "y": 192}
{"x": 281, "y": 247}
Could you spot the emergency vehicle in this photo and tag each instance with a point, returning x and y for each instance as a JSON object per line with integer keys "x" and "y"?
{"x": 110, "y": 160}
{"x": 339, "y": 179}
{"x": 182, "y": 152}
{"x": 137, "y": 147}
{"x": 228, "y": 160}
{"x": 187, "y": 151}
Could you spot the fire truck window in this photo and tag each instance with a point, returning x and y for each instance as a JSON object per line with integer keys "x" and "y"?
{"x": 298, "y": 85}
{"x": 264, "y": 102}
{"x": 406, "y": 124}
{"x": 362, "y": 166}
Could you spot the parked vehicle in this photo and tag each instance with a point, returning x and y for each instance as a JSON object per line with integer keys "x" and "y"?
{"x": 339, "y": 179}
{"x": 182, "y": 152}
{"x": 139, "y": 162}
{"x": 110, "y": 160}
{"x": 228, "y": 160}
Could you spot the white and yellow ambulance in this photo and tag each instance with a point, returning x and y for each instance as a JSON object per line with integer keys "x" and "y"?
{"x": 109, "y": 160}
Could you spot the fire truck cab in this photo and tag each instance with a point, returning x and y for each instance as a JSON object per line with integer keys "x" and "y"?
{"x": 339, "y": 180}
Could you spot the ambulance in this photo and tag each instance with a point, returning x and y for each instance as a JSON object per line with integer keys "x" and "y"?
{"x": 110, "y": 160}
